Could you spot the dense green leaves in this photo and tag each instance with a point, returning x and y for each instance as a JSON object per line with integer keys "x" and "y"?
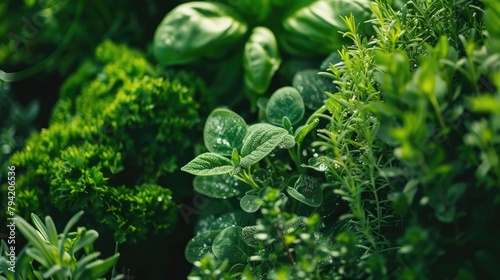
{"x": 285, "y": 102}
{"x": 261, "y": 59}
{"x": 208, "y": 164}
{"x": 224, "y": 130}
{"x": 197, "y": 29}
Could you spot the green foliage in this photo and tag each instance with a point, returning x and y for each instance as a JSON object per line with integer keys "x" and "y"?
{"x": 242, "y": 34}
{"x": 400, "y": 181}
{"x": 49, "y": 255}
{"x": 116, "y": 116}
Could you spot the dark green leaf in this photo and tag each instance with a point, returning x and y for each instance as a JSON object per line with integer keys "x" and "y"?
{"x": 250, "y": 203}
{"x": 307, "y": 190}
{"x": 200, "y": 245}
{"x": 229, "y": 245}
{"x": 285, "y": 102}
{"x": 224, "y": 130}
{"x": 221, "y": 186}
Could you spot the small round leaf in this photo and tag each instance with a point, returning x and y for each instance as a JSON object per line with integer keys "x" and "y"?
{"x": 285, "y": 102}
{"x": 250, "y": 203}
{"x": 224, "y": 130}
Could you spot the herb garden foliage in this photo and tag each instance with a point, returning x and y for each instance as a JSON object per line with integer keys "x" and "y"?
{"x": 396, "y": 176}
{"x": 117, "y": 128}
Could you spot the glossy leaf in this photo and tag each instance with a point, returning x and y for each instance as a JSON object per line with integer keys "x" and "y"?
{"x": 234, "y": 218}
{"x": 285, "y": 102}
{"x": 229, "y": 245}
{"x": 260, "y": 141}
{"x": 250, "y": 203}
{"x": 224, "y": 130}
{"x": 307, "y": 190}
{"x": 196, "y": 29}
{"x": 314, "y": 28}
{"x": 312, "y": 87}
{"x": 261, "y": 59}
{"x": 208, "y": 164}
{"x": 200, "y": 245}
{"x": 221, "y": 186}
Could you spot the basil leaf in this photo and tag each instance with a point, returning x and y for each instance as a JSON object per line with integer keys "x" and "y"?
{"x": 261, "y": 59}
{"x": 197, "y": 29}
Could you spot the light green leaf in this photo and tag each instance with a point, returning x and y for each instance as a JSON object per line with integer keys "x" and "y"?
{"x": 99, "y": 268}
{"x": 200, "y": 245}
{"x": 224, "y": 130}
{"x": 302, "y": 131}
{"x": 285, "y": 102}
{"x": 208, "y": 164}
{"x": 87, "y": 238}
{"x": 250, "y": 203}
{"x": 229, "y": 245}
{"x": 307, "y": 190}
{"x": 221, "y": 186}
{"x": 261, "y": 59}
{"x": 260, "y": 141}
{"x": 197, "y": 29}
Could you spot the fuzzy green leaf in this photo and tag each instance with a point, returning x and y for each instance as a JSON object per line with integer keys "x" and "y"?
{"x": 285, "y": 102}
{"x": 260, "y": 141}
{"x": 208, "y": 164}
{"x": 224, "y": 130}
{"x": 229, "y": 245}
{"x": 307, "y": 190}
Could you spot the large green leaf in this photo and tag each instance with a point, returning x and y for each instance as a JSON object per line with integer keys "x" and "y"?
{"x": 197, "y": 29}
{"x": 224, "y": 130}
{"x": 261, "y": 59}
{"x": 285, "y": 102}
{"x": 221, "y": 186}
{"x": 229, "y": 245}
{"x": 208, "y": 164}
{"x": 261, "y": 140}
{"x": 307, "y": 190}
{"x": 234, "y": 218}
{"x": 200, "y": 245}
{"x": 312, "y": 87}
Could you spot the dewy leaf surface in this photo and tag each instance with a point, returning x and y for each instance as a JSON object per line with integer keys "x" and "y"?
{"x": 200, "y": 245}
{"x": 307, "y": 190}
{"x": 221, "y": 186}
{"x": 208, "y": 164}
{"x": 285, "y": 102}
{"x": 229, "y": 245}
{"x": 261, "y": 139}
{"x": 224, "y": 130}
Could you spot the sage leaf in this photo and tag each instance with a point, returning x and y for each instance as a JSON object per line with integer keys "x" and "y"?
{"x": 285, "y": 102}
{"x": 200, "y": 245}
{"x": 208, "y": 164}
{"x": 261, "y": 59}
{"x": 224, "y": 130}
{"x": 250, "y": 203}
{"x": 220, "y": 186}
{"x": 261, "y": 140}
{"x": 229, "y": 245}
{"x": 307, "y": 190}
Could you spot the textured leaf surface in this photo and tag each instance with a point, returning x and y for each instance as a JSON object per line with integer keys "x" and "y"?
{"x": 250, "y": 203}
{"x": 307, "y": 190}
{"x": 224, "y": 130}
{"x": 229, "y": 245}
{"x": 222, "y": 186}
{"x": 261, "y": 140}
{"x": 200, "y": 245}
{"x": 285, "y": 102}
{"x": 208, "y": 164}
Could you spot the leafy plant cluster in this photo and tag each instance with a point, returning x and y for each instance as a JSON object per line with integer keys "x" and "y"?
{"x": 245, "y": 42}
{"x": 52, "y": 255}
{"x": 118, "y": 127}
{"x": 394, "y": 176}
